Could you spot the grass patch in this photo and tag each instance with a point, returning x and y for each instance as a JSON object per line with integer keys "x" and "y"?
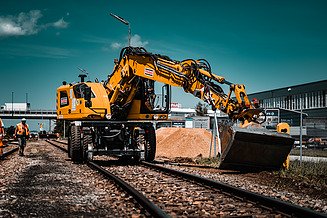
{"x": 213, "y": 162}
{"x": 309, "y": 174}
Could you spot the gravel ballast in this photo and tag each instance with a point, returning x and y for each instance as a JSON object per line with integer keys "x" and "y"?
{"x": 45, "y": 183}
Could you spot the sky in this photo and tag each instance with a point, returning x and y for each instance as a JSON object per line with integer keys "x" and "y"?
{"x": 263, "y": 44}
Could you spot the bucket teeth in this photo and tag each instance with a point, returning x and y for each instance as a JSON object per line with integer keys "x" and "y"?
{"x": 253, "y": 149}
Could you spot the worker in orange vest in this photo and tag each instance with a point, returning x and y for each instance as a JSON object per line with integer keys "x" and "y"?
{"x": 22, "y": 133}
{"x": 2, "y": 135}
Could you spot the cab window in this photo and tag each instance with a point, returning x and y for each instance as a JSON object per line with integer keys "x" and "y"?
{"x": 79, "y": 90}
{"x": 63, "y": 99}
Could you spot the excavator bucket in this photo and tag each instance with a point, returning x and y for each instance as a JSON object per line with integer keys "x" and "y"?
{"x": 253, "y": 149}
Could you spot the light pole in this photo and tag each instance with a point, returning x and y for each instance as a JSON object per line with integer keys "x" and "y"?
{"x": 126, "y": 23}
{"x": 301, "y": 126}
{"x": 301, "y": 131}
{"x": 12, "y": 103}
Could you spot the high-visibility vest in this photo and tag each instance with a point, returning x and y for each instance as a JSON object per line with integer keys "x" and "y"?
{"x": 21, "y": 129}
{"x": 2, "y": 134}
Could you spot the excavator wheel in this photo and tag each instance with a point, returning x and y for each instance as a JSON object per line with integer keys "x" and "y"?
{"x": 76, "y": 148}
{"x": 150, "y": 144}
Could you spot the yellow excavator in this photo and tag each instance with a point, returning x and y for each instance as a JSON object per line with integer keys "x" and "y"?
{"x": 115, "y": 116}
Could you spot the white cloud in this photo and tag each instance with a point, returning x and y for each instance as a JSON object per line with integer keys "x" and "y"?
{"x": 23, "y": 24}
{"x": 116, "y": 45}
{"x": 136, "y": 41}
{"x": 26, "y": 24}
{"x": 61, "y": 24}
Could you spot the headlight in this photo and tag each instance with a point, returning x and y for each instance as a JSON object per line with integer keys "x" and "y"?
{"x": 108, "y": 116}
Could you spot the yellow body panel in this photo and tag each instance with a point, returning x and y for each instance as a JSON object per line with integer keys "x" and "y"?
{"x": 76, "y": 110}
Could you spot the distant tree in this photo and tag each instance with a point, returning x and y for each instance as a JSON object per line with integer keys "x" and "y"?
{"x": 10, "y": 131}
{"x": 201, "y": 109}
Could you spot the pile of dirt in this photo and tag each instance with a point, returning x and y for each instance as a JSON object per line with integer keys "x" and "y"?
{"x": 182, "y": 142}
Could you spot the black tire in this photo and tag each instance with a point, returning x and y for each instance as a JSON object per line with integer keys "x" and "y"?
{"x": 150, "y": 144}
{"x": 86, "y": 141}
{"x": 76, "y": 147}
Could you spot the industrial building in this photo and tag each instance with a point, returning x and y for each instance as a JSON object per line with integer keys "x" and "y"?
{"x": 281, "y": 105}
{"x": 285, "y": 105}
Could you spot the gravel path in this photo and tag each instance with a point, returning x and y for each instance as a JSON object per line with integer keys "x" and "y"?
{"x": 44, "y": 183}
{"x": 263, "y": 183}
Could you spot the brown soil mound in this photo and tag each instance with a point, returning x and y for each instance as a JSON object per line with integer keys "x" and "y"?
{"x": 182, "y": 142}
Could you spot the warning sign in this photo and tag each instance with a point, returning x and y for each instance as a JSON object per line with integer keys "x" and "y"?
{"x": 148, "y": 72}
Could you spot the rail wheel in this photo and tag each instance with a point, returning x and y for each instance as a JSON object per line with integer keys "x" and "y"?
{"x": 87, "y": 141}
{"x": 150, "y": 144}
{"x": 76, "y": 148}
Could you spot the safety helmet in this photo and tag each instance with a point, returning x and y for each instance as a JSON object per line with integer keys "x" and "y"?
{"x": 23, "y": 120}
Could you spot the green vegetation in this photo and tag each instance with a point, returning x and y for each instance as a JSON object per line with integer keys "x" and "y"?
{"x": 310, "y": 174}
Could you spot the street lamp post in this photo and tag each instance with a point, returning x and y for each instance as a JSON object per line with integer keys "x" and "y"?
{"x": 301, "y": 131}
{"x": 12, "y": 103}
{"x": 301, "y": 126}
{"x": 126, "y": 23}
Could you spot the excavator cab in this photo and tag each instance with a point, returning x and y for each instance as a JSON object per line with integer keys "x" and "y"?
{"x": 149, "y": 103}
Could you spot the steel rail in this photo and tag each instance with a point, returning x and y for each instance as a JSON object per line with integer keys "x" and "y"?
{"x": 6, "y": 154}
{"x": 57, "y": 146}
{"x": 149, "y": 206}
{"x": 275, "y": 204}
{"x": 64, "y": 143}
{"x": 185, "y": 165}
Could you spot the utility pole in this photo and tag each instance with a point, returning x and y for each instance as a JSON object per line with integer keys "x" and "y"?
{"x": 12, "y": 103}
{"x": 301, "y": 126}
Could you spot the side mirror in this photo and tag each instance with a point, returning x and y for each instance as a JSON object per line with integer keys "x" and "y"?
{"x": 87, "y": 93}
{"x": 88, "y": 96}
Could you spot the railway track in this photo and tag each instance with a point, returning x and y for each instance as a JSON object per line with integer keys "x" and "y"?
{"x": 217, "y": 199}
{"x": 10, "y": 152}
{"x": 151, "y": 208}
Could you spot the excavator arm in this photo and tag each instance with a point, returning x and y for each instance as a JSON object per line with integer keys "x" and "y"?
{"x": 194, "y": 76}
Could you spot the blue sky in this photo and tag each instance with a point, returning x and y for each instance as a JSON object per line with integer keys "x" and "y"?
{"x": 262, "y": 44}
